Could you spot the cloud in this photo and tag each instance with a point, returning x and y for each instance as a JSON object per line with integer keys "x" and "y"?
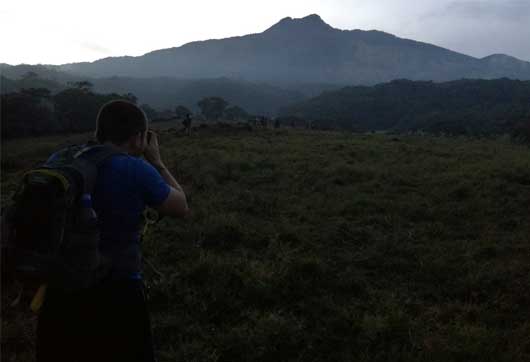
{"x": 96, "y": 48}
{"x": 478, "y": 28}
{"x": 475, "y": 27}
{"x": 505, "y": 10}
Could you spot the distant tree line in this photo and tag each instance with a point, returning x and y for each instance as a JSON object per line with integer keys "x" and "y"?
{"x": 165, "y": 93}
{"x": 36, "y": 111}
{"x": 466, "y": 107}
{"x": 216, "y": 108}
{"x": 470, "y": 107}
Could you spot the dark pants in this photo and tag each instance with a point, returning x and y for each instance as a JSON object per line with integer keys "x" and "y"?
{"x": 106, "y": 323}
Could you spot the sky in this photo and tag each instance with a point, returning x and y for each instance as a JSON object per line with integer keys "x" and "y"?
{"x": 65, "y": 31}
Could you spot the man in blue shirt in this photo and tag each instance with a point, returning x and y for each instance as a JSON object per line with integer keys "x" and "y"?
{"x": 110, "y": 322}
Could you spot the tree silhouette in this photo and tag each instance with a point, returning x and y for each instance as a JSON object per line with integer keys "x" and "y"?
{"x": 29, "y": 75}
{"x": 83, "y": 85}
{"x": 131, "y": 98}
{"x": 149, "y": 112}
{"x": 181, "y": 112}
{"x": 212, "y": 107}
{"x": 235, "y": 113}
{"x": 37, "y": 92}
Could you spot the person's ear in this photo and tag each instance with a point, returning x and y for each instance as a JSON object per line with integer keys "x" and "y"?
{"x": 144, "y": 137}
{"x": 135, "y": 142}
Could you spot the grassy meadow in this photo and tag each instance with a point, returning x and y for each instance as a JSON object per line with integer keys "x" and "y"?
{"x": 328, "y": 246}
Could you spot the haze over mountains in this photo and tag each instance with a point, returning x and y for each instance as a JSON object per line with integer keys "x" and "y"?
{"x": 308, "y": 50}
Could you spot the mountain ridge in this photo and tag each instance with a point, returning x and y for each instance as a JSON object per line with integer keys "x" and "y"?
{"x": 307, "y": 50}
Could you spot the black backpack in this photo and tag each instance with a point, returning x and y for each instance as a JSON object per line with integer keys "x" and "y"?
{"x": 45, "y": 240}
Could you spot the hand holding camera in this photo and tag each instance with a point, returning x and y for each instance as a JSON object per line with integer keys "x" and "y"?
{"x": 152, "y": 151}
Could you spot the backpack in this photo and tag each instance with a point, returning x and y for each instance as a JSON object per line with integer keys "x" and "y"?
{"x": 50, "y": 232}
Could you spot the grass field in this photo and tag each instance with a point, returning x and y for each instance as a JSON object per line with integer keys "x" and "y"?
{"x": 322, "y": 246}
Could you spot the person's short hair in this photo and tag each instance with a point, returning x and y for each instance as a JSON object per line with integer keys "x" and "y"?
{"x": 118, "y": 121}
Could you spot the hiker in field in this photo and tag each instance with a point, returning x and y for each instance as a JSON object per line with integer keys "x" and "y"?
{"x": 187, "y": 124}
{"x": 109, "y": 321}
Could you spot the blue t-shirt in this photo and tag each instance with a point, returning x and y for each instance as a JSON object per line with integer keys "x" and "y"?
{"x": 124, "y": 187}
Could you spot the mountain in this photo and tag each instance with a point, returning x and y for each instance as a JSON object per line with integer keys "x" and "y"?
{"x": 501, "y": 65}
{"x": 307, "y": 50}
{"x": 292, "y": 60}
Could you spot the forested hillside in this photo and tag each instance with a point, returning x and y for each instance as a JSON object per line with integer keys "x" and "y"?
{"x": 465, "y": 107}
{"x": 162, "y": 93}
{"x": 471, "y": 107}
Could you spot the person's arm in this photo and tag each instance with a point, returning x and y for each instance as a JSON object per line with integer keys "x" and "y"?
{"x": 167, "y": 176}
{"x": 175, "y": 204}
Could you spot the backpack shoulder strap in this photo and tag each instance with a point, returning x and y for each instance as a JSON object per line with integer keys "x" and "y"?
{"x": 88, "y": 160}
{"x": 97, "y": 154}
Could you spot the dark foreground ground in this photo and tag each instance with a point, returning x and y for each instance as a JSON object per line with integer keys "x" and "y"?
{"x": 313, "y": 246}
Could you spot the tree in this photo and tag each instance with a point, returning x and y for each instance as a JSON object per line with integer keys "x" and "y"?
{"x": 149, "y": 112}
{"x": 83, "y": 85}
{"x": 130, "y": 97}
{"x": 76, "y": 109}
{"x": 181, "y": 112}
{"x": 235, "y": 113}
{"x": 212, "y": 107}
{"x": 30, "y": 75}
{"x": 25, "y": 114}
{"x": 36, "y": 92}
